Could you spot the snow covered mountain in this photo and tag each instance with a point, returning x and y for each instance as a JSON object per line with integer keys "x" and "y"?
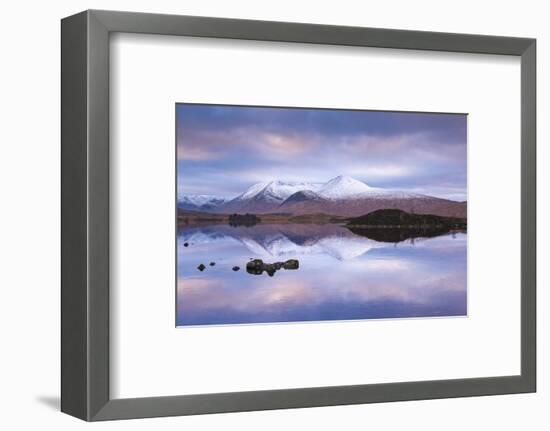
{"x": 342, "y": 195}
{"x": 200, "y": 202}
{"x": 267, "y": 196}
{"x": 343, "y": 187}
{"x": 276, "y": 191}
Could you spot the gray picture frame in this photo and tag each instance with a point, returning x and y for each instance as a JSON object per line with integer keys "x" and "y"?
{"x": 85, "y": 215}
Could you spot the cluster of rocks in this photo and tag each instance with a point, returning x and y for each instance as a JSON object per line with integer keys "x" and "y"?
{"x": 258, "y": 266}
{"x": 202, "y": 267}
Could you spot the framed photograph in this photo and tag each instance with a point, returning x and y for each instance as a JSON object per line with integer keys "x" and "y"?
{"x": 268, "y": 190}
{"x": 264, "y": 215}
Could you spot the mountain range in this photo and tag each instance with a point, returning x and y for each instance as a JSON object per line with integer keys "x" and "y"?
{"x": 342, "y": 195}
{"x": 200, "y": 202}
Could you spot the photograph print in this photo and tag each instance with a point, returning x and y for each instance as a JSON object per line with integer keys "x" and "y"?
{"x": 310, "y": 215}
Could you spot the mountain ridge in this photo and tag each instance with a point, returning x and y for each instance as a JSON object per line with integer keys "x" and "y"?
{"x": 341, "y": 195}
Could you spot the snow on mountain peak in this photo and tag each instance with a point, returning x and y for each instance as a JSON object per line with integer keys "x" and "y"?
{"x": 343, "y": 186}
{"x": 277, "y": 191}
{"x": 252, "y": 191}
{"x": 338, "y": 188}
{"x": 200, "y": 200}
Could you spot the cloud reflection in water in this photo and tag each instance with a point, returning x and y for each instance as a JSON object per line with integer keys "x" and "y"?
{"x": 342, "y": 276}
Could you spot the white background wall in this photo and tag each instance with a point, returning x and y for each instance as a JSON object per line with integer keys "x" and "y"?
{"x": 29, "y": 227}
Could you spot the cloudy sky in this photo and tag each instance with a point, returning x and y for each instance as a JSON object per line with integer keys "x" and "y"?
{"x": 223, "y": 150}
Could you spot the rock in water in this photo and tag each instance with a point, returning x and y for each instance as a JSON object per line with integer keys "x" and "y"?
{"x": 258, "y": 266}
{"x": 212, "y": 263}
{"x": 291, "y": 264}
{"x": 270, "y": 269}
{"x": 255, "y": 264}
{"x": 201, "y": 267}
{"x": 236, "y": 268}
{"x": 186, "y": 244}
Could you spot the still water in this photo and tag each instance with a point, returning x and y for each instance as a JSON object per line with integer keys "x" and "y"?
{"x": 342, "y": 275}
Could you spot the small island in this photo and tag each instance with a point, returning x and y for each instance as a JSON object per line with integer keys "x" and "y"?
{"x": 394, "y": 218}
{"x": 391, "y": 225}
{"x": 243, "y": 219}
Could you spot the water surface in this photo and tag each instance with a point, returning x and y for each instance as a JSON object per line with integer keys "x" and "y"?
{"x": 343, "y": 275}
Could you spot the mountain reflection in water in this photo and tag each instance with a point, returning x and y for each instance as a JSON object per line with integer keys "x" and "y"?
{"x": 343, "y": 274}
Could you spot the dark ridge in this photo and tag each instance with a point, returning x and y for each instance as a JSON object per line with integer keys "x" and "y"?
{"x": 303, "y": 196}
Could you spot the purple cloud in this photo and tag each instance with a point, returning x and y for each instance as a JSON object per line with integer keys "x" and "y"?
{"x": 222, "y": 150}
